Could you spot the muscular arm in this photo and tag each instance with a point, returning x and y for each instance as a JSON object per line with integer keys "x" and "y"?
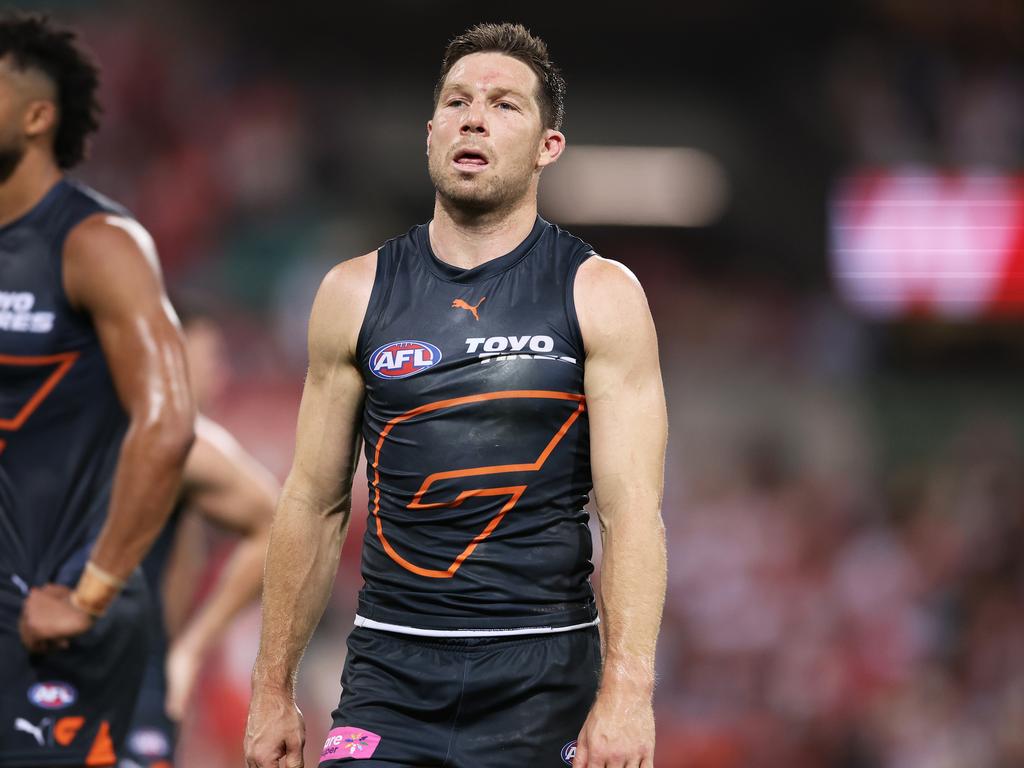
{"x": 111, "y": 273}
{"x": 312, "y": 516}
{"x": 229, "y": 488}
{"x": 628, "y": 426}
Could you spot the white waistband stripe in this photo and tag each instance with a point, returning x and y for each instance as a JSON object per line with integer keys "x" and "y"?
{"x": 420, "y": 632}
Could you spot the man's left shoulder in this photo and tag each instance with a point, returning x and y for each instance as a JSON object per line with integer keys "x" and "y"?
{"x": 611, "y": 307}
{"x": 605, "y": 280}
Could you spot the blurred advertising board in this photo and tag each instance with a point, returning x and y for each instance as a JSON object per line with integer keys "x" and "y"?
{"x": 929, "y": 244}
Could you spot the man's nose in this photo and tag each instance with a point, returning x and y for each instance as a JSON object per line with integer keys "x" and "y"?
{"x": 475, "y": 120}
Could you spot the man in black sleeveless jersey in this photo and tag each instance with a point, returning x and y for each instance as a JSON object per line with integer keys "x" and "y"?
{"x": 96, "y": 418}
{"x": 497, "y": 370}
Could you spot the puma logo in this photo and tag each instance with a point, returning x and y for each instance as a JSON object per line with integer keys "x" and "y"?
{"x": 460, "y": 304}
{"x": 21, "y": 724}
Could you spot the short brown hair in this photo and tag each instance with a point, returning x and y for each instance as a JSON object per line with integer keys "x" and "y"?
{"x": 516, "y": 41}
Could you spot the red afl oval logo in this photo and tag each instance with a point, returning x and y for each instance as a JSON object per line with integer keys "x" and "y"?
{"x": 400, "y": 359}
{"x": 52, "y": 695}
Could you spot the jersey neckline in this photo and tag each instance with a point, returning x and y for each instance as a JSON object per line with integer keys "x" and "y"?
{"x": 41, "y": 205}
{"x": 488, "y": 269}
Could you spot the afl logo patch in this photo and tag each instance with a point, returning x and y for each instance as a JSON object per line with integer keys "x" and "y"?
{"x": 400, "y": 359}
{"x": 569, "y": 752}
{"x": 149, "y": 742}
{"x": 53, "y": 695}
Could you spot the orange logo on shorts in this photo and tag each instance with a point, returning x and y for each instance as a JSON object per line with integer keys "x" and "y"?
{"x": 102, "y": 751}
{"x": 66, "y": 729}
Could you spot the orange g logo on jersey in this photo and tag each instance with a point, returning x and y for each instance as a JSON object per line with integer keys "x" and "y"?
{"x": 62, "y": 362}
{"x": 514, "y": 492}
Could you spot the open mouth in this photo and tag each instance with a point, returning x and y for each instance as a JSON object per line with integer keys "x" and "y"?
{"x": 470, "y": 159}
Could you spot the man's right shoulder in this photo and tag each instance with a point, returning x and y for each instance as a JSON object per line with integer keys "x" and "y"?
{"x": 352, "y": 274}
{"x": 342, "y": 300}
{"x": 347, "y": 286}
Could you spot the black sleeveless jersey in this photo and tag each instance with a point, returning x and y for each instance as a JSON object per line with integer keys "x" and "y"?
{"x": 477, "y": 440}
{"x": 61, "y": 424}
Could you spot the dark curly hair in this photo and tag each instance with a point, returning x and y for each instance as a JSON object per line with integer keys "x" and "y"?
{"x": 516, "y": 41}
{"x": 31, "y": 41}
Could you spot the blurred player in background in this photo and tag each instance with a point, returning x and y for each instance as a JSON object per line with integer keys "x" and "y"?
{"x": 96, "y": 417}
{"x": 227, "y": 487}
{"x": 499, "y": 369}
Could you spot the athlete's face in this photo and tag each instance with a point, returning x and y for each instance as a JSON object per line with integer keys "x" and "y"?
{"x": 12, "y": 112}
{"x": 486, "y": 144}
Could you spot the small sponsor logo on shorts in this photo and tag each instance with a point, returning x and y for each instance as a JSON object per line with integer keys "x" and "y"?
{"x": 149, "y": 742}
{"x": 52, "y": 695}
{"x": 346, "y": 741}
{"x": 67, "y": 728}
{"x": 569, "y": 752}
{"x": 35, "y": 731}
{"x": 401, "y": 359}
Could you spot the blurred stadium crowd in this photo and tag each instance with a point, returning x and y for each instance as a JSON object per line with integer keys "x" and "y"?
{"x": 844, "y": 498}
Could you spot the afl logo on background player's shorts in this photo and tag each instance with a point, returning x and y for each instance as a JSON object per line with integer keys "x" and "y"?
{"x": 400, "y": 359}
{"x": 149, "y": 742}
{"x": 52, "y": 695}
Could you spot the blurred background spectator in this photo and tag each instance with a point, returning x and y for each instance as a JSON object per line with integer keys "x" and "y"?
{"x": 844, "y": 496}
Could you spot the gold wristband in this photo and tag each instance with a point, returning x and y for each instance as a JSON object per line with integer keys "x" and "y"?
{"x": 104, "y": 576}
{"x": 96, "y": 590}
{"x": 83, "y": 608}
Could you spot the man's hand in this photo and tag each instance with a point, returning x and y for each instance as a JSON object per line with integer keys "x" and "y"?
{"x": 49, "y": 619}
{"x": 275, "y": 730}
{"x": 618, "y": 733}
{"x": 182, "y": 667}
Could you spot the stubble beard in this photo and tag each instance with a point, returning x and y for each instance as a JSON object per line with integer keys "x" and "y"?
{"x": 477, "y": 196}
{"x": 11, "y": 154}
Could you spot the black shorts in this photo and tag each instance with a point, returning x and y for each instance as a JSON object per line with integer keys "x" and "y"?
{"x": 151, "y": 737}
{"x": 463, "y": 702}
{"x": 71, "y": 707}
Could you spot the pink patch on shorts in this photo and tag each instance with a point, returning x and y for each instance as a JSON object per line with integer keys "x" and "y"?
{"x": 346, "y": 741}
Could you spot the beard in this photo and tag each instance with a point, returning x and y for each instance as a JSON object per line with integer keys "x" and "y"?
{"x": 10, "y": 157}
{"x": 482, "y": 193}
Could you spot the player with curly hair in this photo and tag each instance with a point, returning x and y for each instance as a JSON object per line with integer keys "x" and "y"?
{"x": 96, "y": 417}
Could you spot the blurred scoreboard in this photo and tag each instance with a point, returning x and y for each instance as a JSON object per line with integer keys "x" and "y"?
{"x": 932, "y": 244}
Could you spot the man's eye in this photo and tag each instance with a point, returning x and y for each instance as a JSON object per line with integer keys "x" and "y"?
{"x": 506, "y": 105}
{"x": 456, "y": 103}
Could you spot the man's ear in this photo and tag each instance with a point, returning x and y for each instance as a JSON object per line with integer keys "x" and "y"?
{"x": 40, "y": 117}
{"x": 551, "y": 148}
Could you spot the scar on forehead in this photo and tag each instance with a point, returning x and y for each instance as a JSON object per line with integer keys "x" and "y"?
{"x": 484, "y": 84}
{"x": 509, "y": 66}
